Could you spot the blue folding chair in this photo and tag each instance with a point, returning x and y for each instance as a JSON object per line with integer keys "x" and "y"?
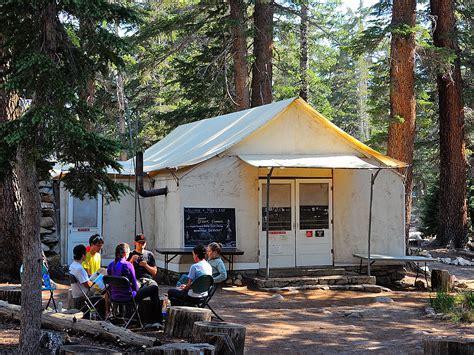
{"x": 47, "y": 285}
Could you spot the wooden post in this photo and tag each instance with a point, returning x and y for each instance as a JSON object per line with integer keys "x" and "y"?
{"x": 181, "y": 319}
{"x": 228, "y": 338}
{"x": 181, "y": 349}
{"x": 446, "y": 346}
{"x": 441, "y": 280}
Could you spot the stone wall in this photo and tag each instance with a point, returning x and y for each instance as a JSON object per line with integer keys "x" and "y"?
{"x": 50, "y": 237}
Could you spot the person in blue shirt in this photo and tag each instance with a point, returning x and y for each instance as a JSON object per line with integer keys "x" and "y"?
{"x": 219, "y": 273}
{"x": 177, "y": 296}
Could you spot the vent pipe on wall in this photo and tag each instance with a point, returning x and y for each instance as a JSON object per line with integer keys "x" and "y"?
{"x": 139, "y": 177}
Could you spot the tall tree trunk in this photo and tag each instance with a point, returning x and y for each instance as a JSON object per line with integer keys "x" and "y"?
{"x": 262, "y": 50}
{"x": 239, "y": 54}
{"x": 304, "y": 88}
{"x": 121, "y": 113}
{"x": 10, "y": 207}
{"x": 401, "y": 132}
{"x": 452, "y": 199}
{"x": 362, "y": 85}
{"x": 30, "y": 323}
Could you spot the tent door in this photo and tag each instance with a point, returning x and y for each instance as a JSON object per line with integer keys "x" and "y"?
{"x": 84, "y": 220}
{"x": 313, "y": 222}
{"x": 282, "y": 224}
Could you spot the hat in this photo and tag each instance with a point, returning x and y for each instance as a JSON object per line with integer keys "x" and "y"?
{"x": 140, "y": 238}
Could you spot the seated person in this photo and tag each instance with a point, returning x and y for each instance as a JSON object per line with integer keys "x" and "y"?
{"x": 121, "y": 267}
{"x": 80, "y": 273}
{"x": 92, "y": 262}
{"x": 178, "y": 296}
{"x": 219, "y": 273}
{"x": 143, "y": 262}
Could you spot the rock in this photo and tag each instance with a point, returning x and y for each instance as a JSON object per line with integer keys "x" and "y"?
{"x": 51, "y": 238}
{"x": 278, "y": 297}
{"x": 52, "y": 250}
{"x": 353, "y": 314}
{"x": 461, "y": 285}
{"x": 239, "y": 277}
{"x": 47, "y": 198}
{"x": 238, "y": 282}
{"x": 372, "y": 288}
{"x": 228, "y": 281}
{"x": 292, "y": 292}
{"x": 44, "y": 247}
{"x": 47, "y": 205}
{"x": 358, "y": 288}
{"x": 463, "y": 262}
{"x": 420, "y": 284}
{"x": 48, "y": 213}
{"x": 383, "y": 280}
{"x": 47, "y": 222}
{"x": 45, "y": 184}
{"x": 383, "y": 299}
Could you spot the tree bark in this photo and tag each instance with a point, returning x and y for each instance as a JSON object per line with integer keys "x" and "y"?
{"x": 362, "y": 86}
{"x": 262, "y": 49}
{"x": 239, "y": 54}
{"x": 181, "y": 349}
{"x": 452, "y": 199}
{"x": 304, "y": 86}
{"x": 228, "y": 338}
{"x": 181, "y": 319}
{"x": 30, "y": 322}
{"x": 10, "y": 204}
{"x": 401, "y": 135}
{"x": 441, "y": 280}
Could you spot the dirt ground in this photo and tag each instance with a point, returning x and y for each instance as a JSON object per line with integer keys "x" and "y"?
{"x": 318, "y": 321}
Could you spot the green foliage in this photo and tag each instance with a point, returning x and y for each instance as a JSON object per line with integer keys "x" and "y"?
{"x": 56, "y": 123}
{"x": 443, "y": 302}
{"x": 430, "y": 212}
{"x": 460, "y": 307}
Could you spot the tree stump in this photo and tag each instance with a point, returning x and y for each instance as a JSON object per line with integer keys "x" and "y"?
{"x": 228, "y": 338}
{"x": 446, "y": 346}
{"x": 11, "y": 294}
{"x": 181, "y": 349}
{"x": 441, "y": 280}
{"x": 181, "y": 319}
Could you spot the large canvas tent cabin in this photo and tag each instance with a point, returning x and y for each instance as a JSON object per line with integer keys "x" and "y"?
{"x": 216, "y": 172}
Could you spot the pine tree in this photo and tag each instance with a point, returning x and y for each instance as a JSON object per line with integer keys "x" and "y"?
{"x": 401, "y": 132}
{"x": 452, "y": 199}
{"x": 48, "y": 66}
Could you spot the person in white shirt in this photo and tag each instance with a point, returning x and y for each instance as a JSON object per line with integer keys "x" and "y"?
{"x": 80, "y": 273}
{"x": 201, "y": 267}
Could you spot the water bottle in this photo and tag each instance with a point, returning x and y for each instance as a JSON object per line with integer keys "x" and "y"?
{"x": 60, "y": 306}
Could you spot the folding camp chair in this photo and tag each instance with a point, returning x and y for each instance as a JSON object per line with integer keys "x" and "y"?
{"x": 121, "y": 282}
{"x": 47, "y": 285}
{"x": 88, "y": 303}
{"x": 202, "y": 284}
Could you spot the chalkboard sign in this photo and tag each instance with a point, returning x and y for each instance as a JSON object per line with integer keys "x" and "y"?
{"x": 206, "y": 225}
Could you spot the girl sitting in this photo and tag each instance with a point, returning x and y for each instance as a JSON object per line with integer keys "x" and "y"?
{"x": 219, "y": 273}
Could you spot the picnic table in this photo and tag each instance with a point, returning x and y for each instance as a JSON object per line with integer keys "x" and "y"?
{"x": 403, "y": 258}
{"x": 171, "y": 253}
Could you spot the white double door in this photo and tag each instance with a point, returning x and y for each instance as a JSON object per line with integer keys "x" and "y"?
{"x": 84, "y": 220}
{"x": 300, "y": 223}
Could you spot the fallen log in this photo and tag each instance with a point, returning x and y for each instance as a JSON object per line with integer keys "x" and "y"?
{"x": 181, "y": 319}
{"x": 227, "y": 338}
{"x": 181, "y": 349}
{"x": 62, "y": 322}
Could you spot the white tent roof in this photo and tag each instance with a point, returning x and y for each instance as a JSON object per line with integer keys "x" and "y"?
{"x": 196, "y": 142}
{"x": 308, "y": 161}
